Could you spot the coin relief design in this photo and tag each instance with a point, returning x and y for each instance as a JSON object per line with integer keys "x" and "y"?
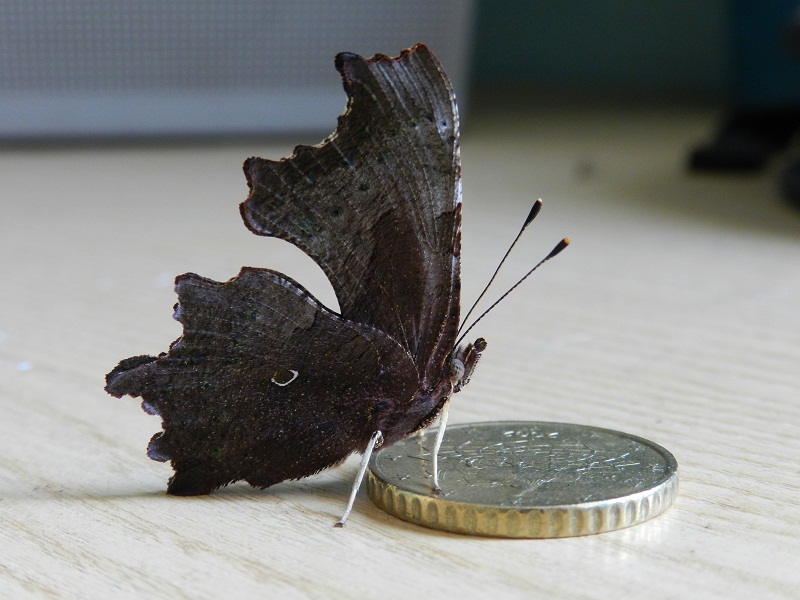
{"x": 536, "y": 464}
{"x": 562, "y": 479}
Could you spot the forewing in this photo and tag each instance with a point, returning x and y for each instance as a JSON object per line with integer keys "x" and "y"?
{"x": 264, "y": 385}
{"x": 377, "y": 204}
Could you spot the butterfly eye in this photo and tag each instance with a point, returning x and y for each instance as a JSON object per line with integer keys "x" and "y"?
{"x": 456, "y": 370}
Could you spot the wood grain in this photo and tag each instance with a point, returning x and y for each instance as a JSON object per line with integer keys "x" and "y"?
{"x": 673, "y": 316}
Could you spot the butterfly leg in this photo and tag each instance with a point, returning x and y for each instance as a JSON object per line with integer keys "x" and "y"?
{"x": 438, "y": 444}
{"x": 375, "y": 440}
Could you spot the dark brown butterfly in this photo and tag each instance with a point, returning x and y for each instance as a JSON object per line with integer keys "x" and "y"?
{"x": 267, "y": 384}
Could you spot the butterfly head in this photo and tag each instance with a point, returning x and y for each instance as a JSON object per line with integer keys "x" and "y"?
{"x": 463, "y": 362}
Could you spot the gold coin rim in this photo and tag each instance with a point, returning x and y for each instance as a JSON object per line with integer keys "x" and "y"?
{"x": 545, "y": 521}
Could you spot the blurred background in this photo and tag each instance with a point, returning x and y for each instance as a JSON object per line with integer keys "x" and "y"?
{"x": 92, "y": 67}
{"x": 88, "y": 69}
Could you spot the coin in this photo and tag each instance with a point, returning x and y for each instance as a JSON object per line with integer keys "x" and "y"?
{"x": 525, "y": 479}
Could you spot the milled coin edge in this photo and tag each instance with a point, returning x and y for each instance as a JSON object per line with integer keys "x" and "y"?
{"x": 551, "y": 521}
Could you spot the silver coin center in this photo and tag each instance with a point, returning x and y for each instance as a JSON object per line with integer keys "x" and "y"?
{"x": 519, "y": 464}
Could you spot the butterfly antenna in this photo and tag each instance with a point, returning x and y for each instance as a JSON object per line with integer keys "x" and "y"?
{"x": 537, "y": 206}
{"x": 558, "y": 248}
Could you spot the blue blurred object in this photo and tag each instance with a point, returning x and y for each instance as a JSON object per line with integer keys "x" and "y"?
{"x": 669, "y": 48}
{"x": 765, "y": 74}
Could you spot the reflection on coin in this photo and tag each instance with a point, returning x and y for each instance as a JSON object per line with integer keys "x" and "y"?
{"x": 525, "y": 480}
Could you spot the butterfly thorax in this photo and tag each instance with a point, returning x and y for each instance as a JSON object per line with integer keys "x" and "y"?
{"x": 463, "y": 362}
{"x": 427, "y": 403}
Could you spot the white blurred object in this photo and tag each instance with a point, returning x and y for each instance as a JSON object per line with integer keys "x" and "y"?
{"x": 99, "y": 68}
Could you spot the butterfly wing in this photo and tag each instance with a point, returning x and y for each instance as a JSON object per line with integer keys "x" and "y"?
{"x": 264, "y": 385}
{"x": 377, "y": 204}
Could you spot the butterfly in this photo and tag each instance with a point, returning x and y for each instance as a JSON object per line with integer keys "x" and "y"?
{"x": 265, "y": 383}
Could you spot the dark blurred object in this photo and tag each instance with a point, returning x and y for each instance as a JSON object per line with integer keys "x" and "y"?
{"x": 766, "y": 94}
{"x": 747, "y": 139}
{"x": 790, "y": 184}
{"x": 791, "y": 34}
{"x": 790, "y": 181}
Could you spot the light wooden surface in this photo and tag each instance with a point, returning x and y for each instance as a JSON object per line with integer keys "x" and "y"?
{"x": 674, "y": 315}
